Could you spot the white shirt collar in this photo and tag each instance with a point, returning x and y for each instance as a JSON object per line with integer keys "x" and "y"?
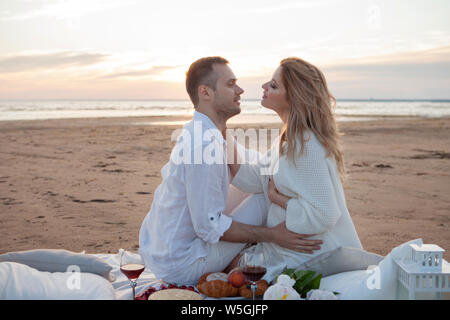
{"x": 208, "y": 123}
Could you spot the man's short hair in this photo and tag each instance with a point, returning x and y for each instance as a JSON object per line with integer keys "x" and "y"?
{"x": 201, "y": 73}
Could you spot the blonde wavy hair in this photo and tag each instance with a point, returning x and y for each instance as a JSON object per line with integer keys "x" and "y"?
{"x": 312, "y": 107}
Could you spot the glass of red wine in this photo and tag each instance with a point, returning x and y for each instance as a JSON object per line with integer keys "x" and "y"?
{"x": 252, "y": 265}
{"x": 131, "y": 266}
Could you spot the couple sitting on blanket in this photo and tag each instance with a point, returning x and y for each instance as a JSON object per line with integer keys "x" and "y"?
{"x": 290, "y": 203}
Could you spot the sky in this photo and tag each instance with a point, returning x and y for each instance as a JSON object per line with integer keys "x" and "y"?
{"x": 141, "y": 49}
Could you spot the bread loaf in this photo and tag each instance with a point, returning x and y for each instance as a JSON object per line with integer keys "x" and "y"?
{"x": 216, "y": 288}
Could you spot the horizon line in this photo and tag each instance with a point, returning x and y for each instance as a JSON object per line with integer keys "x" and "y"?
{"x": 187, "y": 100}
{"x": 249, "y": 99}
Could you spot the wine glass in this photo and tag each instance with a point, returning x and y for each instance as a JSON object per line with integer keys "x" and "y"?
{"x": 132, "y": 266}
{"x": 252, "y": 265}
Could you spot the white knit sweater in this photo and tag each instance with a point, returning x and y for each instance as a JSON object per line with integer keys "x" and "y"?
{"x": 317, "y": 204}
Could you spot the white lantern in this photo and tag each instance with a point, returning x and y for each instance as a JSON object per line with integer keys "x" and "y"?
{"x": 426, "y": 271}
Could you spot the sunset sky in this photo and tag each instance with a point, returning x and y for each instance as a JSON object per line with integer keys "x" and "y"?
{"x": 141, "y": 49}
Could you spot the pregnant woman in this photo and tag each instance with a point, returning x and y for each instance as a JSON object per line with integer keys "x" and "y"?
{"x": 305, "y": 167}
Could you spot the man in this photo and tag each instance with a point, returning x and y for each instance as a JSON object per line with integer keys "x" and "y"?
{"x": 186, "y": 232}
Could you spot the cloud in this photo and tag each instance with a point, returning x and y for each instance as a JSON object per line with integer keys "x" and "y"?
{"x": 422, "y": 74}
{"x": 28, "y": 62}
{"x": 63, "y": 9}
{"x": 50, "y": 88}
{"x": 155, "y": 70}
{"x": 288, "y": 6}
{"x": 432, "y": 63}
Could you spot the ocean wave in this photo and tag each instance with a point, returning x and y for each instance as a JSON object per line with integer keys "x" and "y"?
{"x": 17, "y": 110}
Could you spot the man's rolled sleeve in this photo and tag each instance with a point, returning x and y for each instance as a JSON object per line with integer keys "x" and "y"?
{"x": 218, "y": 228}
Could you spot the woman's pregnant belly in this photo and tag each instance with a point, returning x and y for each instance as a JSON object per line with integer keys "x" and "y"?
{"x": 292, "y": 258}
{"x": 275, "y": 216}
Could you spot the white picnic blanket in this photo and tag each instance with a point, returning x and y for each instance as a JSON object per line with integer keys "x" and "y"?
{"x": 380, "y": 282}
{"x": 121, "y": 284}
{"x": 19, "y": 281}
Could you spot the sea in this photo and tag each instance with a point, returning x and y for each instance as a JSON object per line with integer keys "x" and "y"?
{"x": 346, "y": 110}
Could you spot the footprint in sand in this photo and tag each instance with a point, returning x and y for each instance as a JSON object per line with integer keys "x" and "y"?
{"x": 103, "y": 165}
{"x": 384, "y": 166}
{"x": 430, "y": 154}
{"x": 9, "y": 201}
{"x": 93, "y": 200}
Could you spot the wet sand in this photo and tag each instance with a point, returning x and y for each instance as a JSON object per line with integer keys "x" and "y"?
{"x": 87, "y": 184}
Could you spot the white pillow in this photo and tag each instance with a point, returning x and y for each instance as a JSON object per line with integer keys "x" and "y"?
{"x": 345, "y": 282}
{"x": 378, "y": 283}
{"x": 21, "y": 282}
{"x": 342, "y": 259}
{"x": 57, "y": 260}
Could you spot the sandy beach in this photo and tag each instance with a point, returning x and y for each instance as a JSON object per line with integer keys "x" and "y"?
{"x": 87, "y": 184}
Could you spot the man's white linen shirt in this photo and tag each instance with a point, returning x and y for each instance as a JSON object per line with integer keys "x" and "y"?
{"x": 186, "y": 215}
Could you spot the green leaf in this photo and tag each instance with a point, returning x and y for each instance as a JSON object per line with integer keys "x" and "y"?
{"x": 305, "y": 280}
{"x": 290, "y": 272}
{"x": 315, "y": 283}
{"x": 309, "y": 283}
{"x": 301, "y": 273}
